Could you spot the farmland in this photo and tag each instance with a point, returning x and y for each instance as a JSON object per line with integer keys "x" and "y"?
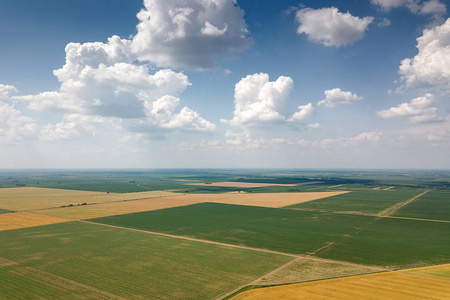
{"x": 390, "y": 285}
{"x": 127, "y": 263}
{"x": 434, "y": 205}
{"x": 367, "y": 201}
{"x": 211, "y": 234}
{"x": 283, "y": 230}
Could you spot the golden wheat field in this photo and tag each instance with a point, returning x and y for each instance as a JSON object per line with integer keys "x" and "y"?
{"x": 438, "y": 271}
{"x": 174, "y": 200}
{"x": 390, "y": 285}
{"x": 33, "y": 198}
{"x": 117, "y": 208}
{"x": 24, "y": 219}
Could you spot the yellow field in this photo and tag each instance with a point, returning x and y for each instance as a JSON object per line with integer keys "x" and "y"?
{"x": 129, "y": 206}
{"x": 438, "y": 271}
{"x": 33, "y": 198}
{"x": 117, "y": 208}
{"x": 391, "y": 285}
{"x": 24, "y": 220}
{"x": 267, "y": 199}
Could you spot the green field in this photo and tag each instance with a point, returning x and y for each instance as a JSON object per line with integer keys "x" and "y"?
{"x": 269, "y": 228}
{"x": 118, "y": 262}
{"x": 361, "y": 201}
{"x": 434, "y": 205}
{"x": 395, "y": 242}
{"x": 4, "y": 211}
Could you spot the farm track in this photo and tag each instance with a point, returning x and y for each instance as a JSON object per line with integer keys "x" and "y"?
{"x": 390, "y": 210}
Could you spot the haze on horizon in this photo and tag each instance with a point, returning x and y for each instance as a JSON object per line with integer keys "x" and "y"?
{"x": 225, "y": 84}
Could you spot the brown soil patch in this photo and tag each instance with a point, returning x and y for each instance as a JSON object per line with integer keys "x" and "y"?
{"x": 6, "y": 262}
{"x": 390, "y": 285}
{"x": 24, "y": 220}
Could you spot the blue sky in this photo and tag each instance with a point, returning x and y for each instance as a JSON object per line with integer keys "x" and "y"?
{"x": 218, "y": 83}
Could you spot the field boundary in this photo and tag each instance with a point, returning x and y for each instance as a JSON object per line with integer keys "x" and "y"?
{"x": 390, "y": 210}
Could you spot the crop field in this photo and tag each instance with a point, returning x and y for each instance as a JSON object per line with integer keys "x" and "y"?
{"x": 389, "y": 285}
{"x": 127, "y": 264}
{"x": 442, "y": 271}
{"x": 23, "y": 220}
{"x": 212, "y": 234}
{"x": 240, "y": 184}
{"x": 121, "y": 207}
{"x": 361, "y": 201}
{"x": 282, "y": 230}
{"x": 434, "y": 205}
{"x": 395, "y": 243}
{"x": 32, "y": 198}
{"x": 129, "y": 206}
{"x": 310, "y": 268}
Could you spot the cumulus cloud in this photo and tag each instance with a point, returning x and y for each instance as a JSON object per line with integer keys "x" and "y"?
{"x": 260, "y": 101}
{"x": 336, "y": 96}
{"x": 420, "y": 109}
{"x": 13, "y": 125}
{"x": 331, "y": 27}
{"x": 432, "y": 64}
{"x": 431, "y": 7}
{"x": 190, "y": 34}
{"x": 72, "y": 125}
{"x": 100, "y": 79}
{"x": 303, "y": 113}
{"x": 6, "y": 90}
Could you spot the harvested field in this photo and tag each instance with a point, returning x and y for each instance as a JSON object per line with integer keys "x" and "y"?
{"x": 307, "y": 269}
{"x": 262, "y": 199}
{"x": 438, "y": 271}
{"x": 24, "y": 220}
{"x": 123, "y": 207}
{"x": 33, "y": 198}
{"x": 390, "y": 285}
{"x": 117, "y": 208}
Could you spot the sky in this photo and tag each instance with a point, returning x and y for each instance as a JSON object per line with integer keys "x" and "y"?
{"x": 225, "y": 84}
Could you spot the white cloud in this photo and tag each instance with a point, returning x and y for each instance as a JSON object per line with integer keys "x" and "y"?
{"x": 303, "y": 113}
{"x": 161, "y": 113}
{"x": 431, "y": 7}
{"x": 100, "y": 79}
{"x": 331, "y": 27}
{"x": 336, "y": 96}
{"x": 389, "y": 4}
{"x": 14, "y": 126}
{"x": 420, "y": 109}
{"x": 384, "y": 23}
{"x": 190, "y": 34}
{"x": 72, "y": 126}
{"x": 6, "y": 90}
{"x": 432, "y": 64}
{"x": 260, "y": 101}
